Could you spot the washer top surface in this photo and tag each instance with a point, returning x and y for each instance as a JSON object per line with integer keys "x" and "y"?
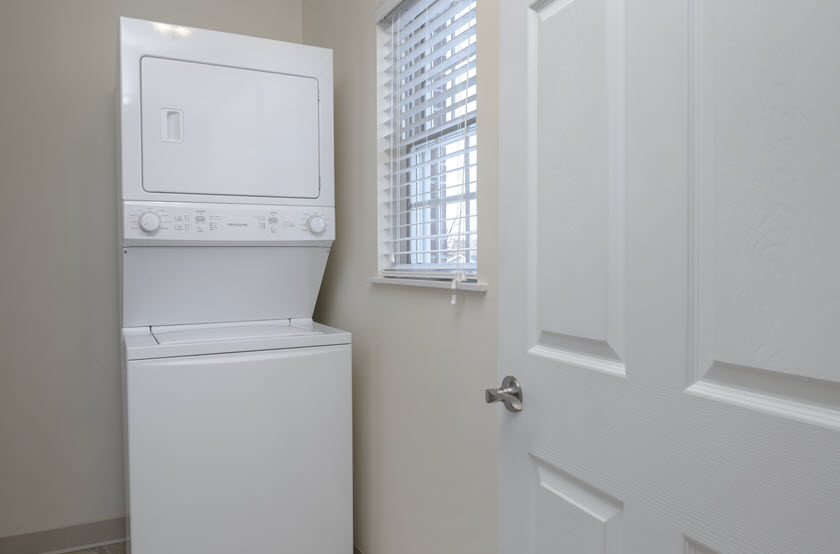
{"x": 244, "y": 330}
{"x": 167, "y": 341}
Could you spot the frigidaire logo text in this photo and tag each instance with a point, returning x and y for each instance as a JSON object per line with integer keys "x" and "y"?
{"x": 237, "y": 224}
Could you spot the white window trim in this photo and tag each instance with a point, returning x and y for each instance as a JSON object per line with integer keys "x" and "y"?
{"x": 464, "y": 286}
{"x": 385, "y": 275}
{"x": 384, "y": 9}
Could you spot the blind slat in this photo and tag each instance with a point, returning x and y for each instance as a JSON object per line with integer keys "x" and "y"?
{"x": 440, "y": 251}
{"x": 421, "y": 53}
{"x": 440, "y": 199}
{"x": 432, "y": 36}
{"x": 427, "y": 271}
{"x": 427, "y": 163}
{"x": 468, "y": 167}
{"x": 424, "y": 237}
{"x": 438, "y": 124}
{"x": 438, "y": 133}
{"x": 438, "y": 142}
{"x": 431, "y": 15}
{"x": 421, "y": 212}
{"x": 408, "y": 80}
{"x": 395, "y": 227}
{"x": 437, "y": 100}
{"x": 437, "y": 80}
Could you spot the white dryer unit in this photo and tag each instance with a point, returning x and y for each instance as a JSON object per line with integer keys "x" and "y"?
{"x": 226, "y": 167}
{"x": 237, "y": 405}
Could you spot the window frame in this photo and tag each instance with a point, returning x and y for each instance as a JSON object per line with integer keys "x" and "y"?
{"x": 386, "y": 270}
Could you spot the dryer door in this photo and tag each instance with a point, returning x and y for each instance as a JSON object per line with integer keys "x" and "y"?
{"x": 217, "y": 130}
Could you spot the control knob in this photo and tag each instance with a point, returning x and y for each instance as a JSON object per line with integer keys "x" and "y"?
{"x": 149, "y": 222}
{"x": 316, "y": 224}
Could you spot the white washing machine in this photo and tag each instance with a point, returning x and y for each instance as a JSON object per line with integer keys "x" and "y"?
{"x": 239, "y": 438}
{"x": 237, "y": 405}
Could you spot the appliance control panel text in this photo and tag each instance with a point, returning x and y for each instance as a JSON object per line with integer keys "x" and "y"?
{"x": 146, "y": 223}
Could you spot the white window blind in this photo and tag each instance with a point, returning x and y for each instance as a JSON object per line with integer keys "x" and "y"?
{"x": 429, "y": 212}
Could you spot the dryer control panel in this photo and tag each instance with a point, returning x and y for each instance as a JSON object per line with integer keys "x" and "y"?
{"x": 173, "y": 223}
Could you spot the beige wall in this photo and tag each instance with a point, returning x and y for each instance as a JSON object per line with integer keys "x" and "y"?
{"x": 60, "y": 407}
{"x": 425, "y": 444}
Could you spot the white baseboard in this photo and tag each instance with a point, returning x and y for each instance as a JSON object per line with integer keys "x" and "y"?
{"x": 85, "y": 546}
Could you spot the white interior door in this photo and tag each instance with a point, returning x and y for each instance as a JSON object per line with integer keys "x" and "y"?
{"x": 669, "y": 288}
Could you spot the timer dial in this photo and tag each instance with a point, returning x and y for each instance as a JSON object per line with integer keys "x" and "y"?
{"x": 316, "y": 224}
{"x": 149, "y": 222}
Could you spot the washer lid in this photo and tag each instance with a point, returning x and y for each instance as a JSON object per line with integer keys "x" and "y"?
{"x": 245, "y": 330}
{"x": 168, "y": 341}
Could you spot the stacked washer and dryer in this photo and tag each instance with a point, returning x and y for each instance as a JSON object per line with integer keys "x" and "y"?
{"x": 237, "y": 405}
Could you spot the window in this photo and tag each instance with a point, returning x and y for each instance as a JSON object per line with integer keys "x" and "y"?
{"x": 428, "y": 216}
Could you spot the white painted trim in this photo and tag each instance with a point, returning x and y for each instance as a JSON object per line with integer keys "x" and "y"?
{"x": 429, "y": 283}
{"x": 86, "y": 546}
{"x": 384, "y": 8}
{"x": 767, "y": 403}
{"x": 575, "y": 359}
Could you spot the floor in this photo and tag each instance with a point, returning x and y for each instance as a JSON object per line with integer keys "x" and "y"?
{"x": 118, "y": 548}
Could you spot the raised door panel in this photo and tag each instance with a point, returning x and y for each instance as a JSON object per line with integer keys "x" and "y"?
{"x": 571, "y": 516}
{"x": 579, "y": 133}
{"x": 765, "y": 142}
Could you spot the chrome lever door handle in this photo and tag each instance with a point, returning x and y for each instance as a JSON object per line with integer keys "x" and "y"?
{"x": 510, "y": 394}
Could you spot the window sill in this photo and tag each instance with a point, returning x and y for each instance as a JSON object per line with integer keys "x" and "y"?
{"x": 429, "y": 283}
